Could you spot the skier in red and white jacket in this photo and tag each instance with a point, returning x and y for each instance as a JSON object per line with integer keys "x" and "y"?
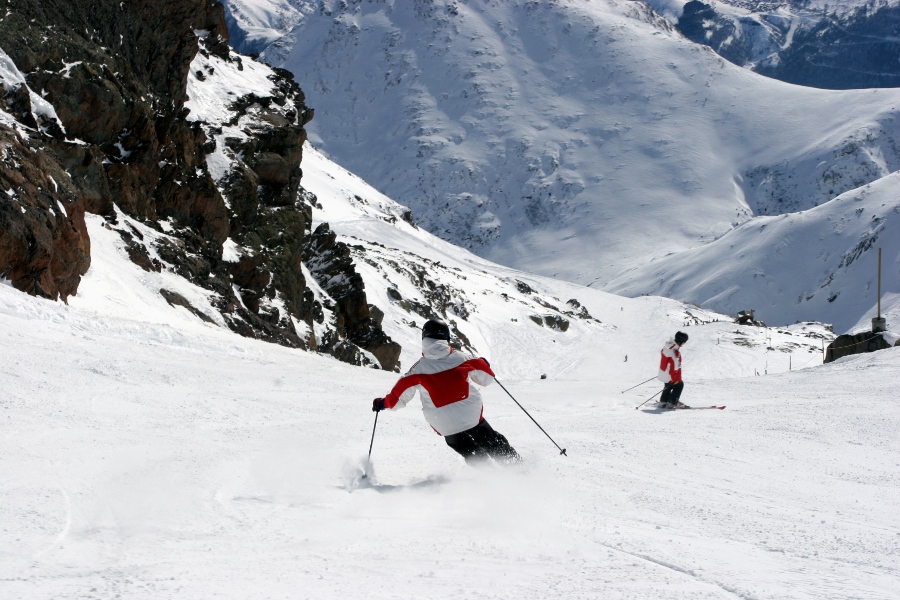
{"x": 670, "y": 371}
{"x": 452, "y": 405}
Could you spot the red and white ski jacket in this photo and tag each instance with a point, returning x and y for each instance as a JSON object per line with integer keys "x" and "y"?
{"x": 670, "y": 363}
{"x": 443, "y": 377}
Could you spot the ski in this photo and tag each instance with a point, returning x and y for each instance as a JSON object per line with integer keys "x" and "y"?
{"x": 659, "y": 406}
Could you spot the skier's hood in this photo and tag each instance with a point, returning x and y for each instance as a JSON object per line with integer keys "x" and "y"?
{"x": 432, "y": 348}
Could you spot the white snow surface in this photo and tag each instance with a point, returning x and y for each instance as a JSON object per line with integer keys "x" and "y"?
{"x": 223, "y": 83}
{"x": 147, "y": 454}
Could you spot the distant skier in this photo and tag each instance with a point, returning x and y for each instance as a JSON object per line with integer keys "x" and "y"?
{"x": 670, "y": 371}
{"x": 452, "y": 405}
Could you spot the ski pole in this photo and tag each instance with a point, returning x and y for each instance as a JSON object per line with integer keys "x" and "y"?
{"x": 639, "y": 385}
{"x": 561, "y": 450}
{"x": 373, "y": 440}
{"x": 649, "y": 399}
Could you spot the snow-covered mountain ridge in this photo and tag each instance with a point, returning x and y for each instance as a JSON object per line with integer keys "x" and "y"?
{"x": 571, "y": 139}
{"x": 834, "y": 247}
{"x": 265, "y": 25}
{"x": 831, "y": 45}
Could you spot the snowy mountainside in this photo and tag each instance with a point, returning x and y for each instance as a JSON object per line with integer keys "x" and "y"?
{"x": 529, "y": 324}
{"x": 263, "y": 26}
{"x": 830, "y": 45}
{"x": 822, "y": 261}
{"x": 576, "y": 140}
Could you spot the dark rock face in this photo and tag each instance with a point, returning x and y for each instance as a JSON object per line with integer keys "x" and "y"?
{"x": 331, "y": 264}
{"x": 97, "y": 83}
{"x": 845, "y": 345}
{"x": 117, "y": 75}
{"x": 858, "y": 49}
{"x": 44, "y": 245}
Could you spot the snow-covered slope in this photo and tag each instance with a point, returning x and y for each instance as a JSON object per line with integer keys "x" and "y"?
{"x": 149, "y": 455}
{"x": 823, "y": 262}
{"x": 263, "y": 25}
{"x": 573, "y": 139}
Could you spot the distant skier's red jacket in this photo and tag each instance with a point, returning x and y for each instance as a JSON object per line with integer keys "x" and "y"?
{"x": 670, "y": 363}
{"x": 443, "y": 378}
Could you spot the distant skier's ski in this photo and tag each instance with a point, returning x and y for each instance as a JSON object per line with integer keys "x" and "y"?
{"x": 661, "y": 406}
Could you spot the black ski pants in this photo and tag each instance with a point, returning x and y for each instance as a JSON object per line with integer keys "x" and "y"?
{"x": 672, "y": 392}
{"x": 480, "y": 442}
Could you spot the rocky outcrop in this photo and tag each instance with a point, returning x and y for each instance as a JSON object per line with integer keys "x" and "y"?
{"x": 44, "y": 245}
{"x": 331, "y": 264}
{"x": 846, "y": 345}
{"x": 115, "y": 131}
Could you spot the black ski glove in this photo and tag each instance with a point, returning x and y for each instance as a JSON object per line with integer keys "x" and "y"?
{"x": 377, "y": 404}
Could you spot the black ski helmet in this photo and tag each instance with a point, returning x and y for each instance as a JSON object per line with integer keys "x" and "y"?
{"x": 681, "y": 337}
{"x": 436, "y": 330}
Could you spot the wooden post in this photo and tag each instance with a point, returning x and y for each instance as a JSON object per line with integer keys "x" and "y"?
{"x": 790, "y": 368}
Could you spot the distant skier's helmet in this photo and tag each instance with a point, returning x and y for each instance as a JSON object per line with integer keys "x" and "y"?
{"x": 436, "y": 330}
{"x": 681, "y": 337}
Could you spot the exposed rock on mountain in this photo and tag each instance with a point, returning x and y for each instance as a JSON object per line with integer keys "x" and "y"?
{"x": 141, "y": 112}
{"x": 44, "y": 246}
{"x": 331, "y": 264}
